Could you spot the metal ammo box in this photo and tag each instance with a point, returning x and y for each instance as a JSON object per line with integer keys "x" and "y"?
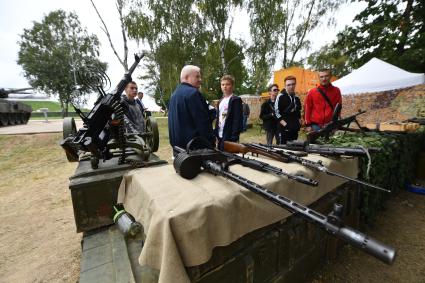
{"x": 282, "y": 252}
{"x": 94, "y": 192}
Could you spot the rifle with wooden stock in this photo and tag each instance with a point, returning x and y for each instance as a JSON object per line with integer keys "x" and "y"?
{"x": 328, "y": 150}
{"x": 284, "y": 156}
{"x": 190, "y": 163}
{"x": 265, "y": 167}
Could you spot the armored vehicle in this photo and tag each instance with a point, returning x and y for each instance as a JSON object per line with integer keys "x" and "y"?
{"x": 13, "y": 112}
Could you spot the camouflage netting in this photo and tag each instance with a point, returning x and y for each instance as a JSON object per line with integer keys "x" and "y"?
{"x": 392, "y": 168}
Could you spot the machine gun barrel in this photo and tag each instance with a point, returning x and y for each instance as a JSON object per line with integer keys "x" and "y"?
{"x": 263, "y": 166}
{"x": 323, "y": 149}
{"x": 127, "y": 77}
{"x": 332, "y": 223}
{"x": 335, "y": 124}
{"x": 284, "y": 156}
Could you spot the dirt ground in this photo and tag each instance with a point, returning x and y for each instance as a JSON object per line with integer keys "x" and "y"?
{"x": 38, "y": 242}
{"x": 401, "y": 225}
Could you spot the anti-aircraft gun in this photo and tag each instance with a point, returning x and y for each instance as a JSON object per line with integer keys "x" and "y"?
{"x": 103, "y": 134}
{"x": 105, "y": 152}
{"x": 13, "y": 112}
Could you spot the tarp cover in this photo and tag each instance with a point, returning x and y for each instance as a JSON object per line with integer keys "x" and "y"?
{"x": 185, "y": 219}
{"x": 375, "y": 76}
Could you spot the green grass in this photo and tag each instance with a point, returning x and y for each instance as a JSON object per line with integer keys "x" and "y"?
{"x": 158, "y": 114}
{"x": 52, "y": 105}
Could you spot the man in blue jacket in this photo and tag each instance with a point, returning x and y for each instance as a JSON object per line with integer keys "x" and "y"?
{"x": 188, "y": 115}
{"x": 229, "y": 123}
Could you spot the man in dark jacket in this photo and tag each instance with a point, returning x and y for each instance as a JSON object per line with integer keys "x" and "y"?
{"x": 133, "y": 115}
{"x": 229, "y": 123}
{"x": 288, "y": 111}
{"x": 188, "y": 115}
{"x": 268, "y": 116}
{"x": 245, "y": 111}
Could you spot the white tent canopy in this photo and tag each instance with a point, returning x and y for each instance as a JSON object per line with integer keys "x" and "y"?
{"x": 377, "y": 75}
{"x": 150, "y": 104}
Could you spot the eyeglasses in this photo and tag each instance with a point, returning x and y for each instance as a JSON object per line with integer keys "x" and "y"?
{"x": 275, "y": 90}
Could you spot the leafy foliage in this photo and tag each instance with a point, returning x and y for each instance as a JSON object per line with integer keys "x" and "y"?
{"x": 177, "y": 35}
{"x": 392, "y": 168}
{"x": 218, "y": 15}
{"x": 175, "y": 38}
{"x": 54, "y": 51}
{"x": 266, "y": 25}
{"x": 283, "y": 26}
{"x": 212, "y": 69}
{"x": 392, "y": 30}
{"x": 302, "y": 17}
{"x": 329, "y": 57}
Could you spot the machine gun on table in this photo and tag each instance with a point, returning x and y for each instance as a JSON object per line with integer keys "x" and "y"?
{"x": 286, "y": 157}
{"x": 327, "y": 150}
{"x": 190, "y": 163}
{"x": 336, "y": 124}
{"x": 263, "y": 166}
{"x": 103, "y": 134}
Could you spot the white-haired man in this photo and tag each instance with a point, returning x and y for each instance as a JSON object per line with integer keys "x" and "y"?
{"x": 188, "y": 115}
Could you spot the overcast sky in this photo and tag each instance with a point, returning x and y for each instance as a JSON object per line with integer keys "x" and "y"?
{"x": 19, "y": 14}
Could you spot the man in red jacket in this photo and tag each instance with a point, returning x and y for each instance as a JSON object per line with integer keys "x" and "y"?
{"x": 320, "y": 102}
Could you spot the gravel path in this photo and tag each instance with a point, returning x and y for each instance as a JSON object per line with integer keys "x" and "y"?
{"x": 37, "y": 126}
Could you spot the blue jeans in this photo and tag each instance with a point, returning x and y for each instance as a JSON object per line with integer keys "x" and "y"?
{"x": 315, "y": 127}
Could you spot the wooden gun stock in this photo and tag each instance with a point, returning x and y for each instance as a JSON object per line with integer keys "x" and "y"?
{"x": 234, "y": 147}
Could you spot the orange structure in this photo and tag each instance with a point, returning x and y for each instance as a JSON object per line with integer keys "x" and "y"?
{"x": 306, "y": 79}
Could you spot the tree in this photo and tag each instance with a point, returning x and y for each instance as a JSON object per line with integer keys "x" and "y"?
{"x": 212, "y": 68}
{"x": 54, "y": 51}
{"x": 330, "y": 57}
{"x": 174, "y": 33}
{"x": 218, "y": 14}
{"x": 265, "y": 28}
{"x": 283, "y": 26}
{"x": 392, "y": 30}
{"x": 301, "y": 18}
{"x": 119, "y": 4}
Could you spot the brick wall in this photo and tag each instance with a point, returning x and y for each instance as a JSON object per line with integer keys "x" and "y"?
{"x": 254, "y": 103}
{"x": 394, "y": 105}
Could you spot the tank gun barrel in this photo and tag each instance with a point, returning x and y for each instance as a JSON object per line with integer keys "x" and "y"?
{"x": 4, "y": 93}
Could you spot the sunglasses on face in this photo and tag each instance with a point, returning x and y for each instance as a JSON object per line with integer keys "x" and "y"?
{"x": 275, "y": 90}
